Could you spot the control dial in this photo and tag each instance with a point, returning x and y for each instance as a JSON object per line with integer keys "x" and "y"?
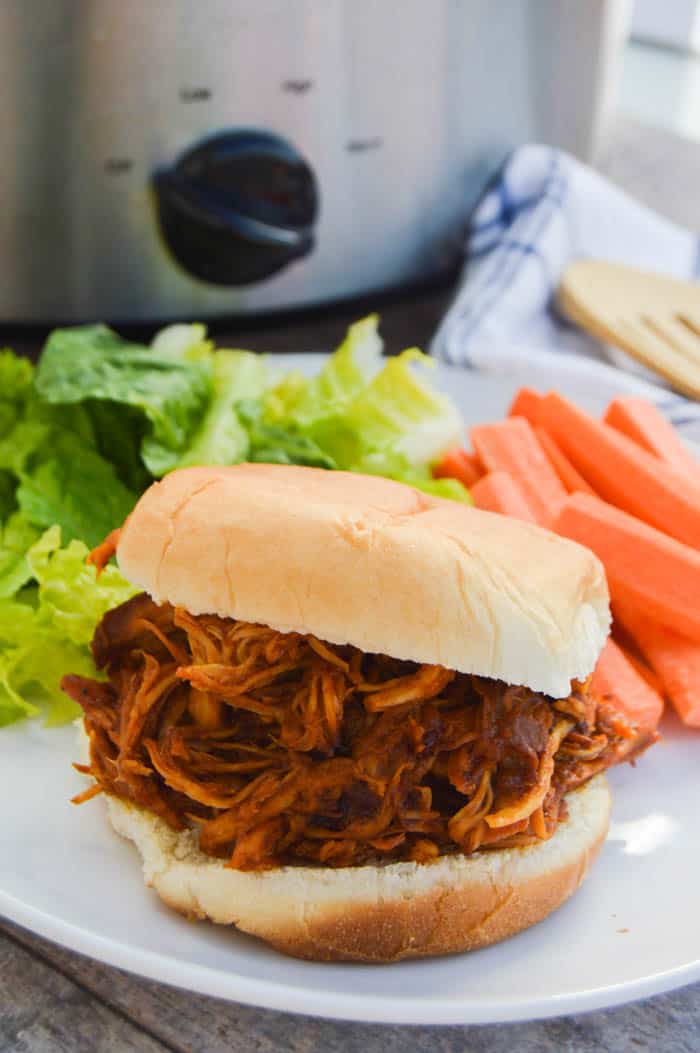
{"x": 237, "y": 207}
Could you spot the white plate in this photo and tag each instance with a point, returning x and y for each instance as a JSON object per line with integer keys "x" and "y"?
{"x": 632, "y": 930}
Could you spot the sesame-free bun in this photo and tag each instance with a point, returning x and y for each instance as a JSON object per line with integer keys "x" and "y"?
{"x": 367, "y": 561}
{"x": 375, "y": 913}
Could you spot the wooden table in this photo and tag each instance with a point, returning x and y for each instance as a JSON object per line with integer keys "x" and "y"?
{"x": 52, "y": 1000}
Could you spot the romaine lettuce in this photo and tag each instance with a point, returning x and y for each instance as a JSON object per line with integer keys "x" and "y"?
{"x": 274, "y": 444}
{"x": 16, "y": 538}
{"x": 344, "y": 375}
{"x": 368, "y": 414}
{"x": 8, "y": 503}
{"x": 221, "y": 438}
{"x": 170, "y": 389}
{"x": 48, "y": 634}
{"x": 71, "y": 485}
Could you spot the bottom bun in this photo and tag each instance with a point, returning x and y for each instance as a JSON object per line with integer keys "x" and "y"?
{"x": 375, "y": 913}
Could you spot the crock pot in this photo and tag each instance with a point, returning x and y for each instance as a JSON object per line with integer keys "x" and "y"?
{"x": 200, "y": 158}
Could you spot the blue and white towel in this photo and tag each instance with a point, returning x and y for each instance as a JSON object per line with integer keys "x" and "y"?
{"x": 542, "y": 210}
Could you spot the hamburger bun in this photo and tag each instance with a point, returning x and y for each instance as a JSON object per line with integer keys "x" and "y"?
{"x": 373, "y": 563}
{"x": 375, "y": 913}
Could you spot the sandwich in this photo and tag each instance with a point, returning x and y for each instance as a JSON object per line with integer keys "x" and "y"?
{"x": 347, "y": 717}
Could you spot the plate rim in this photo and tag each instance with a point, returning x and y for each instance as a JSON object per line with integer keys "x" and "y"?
{"x": 310, "y": 1001}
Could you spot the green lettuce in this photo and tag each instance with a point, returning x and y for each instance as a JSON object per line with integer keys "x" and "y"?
{"x": 46, "y": 630}
{"x": 363, "y": 413}
{"x": 8, "y": 485}
{"x": 16, "y": 538}
{"x": 51, "y": 470}
{"x": 221, "y": 437}
{"x": 70, "y": 485}
{"x": 168, "y": 388}
{"x": 16, "y": 381}
{"x": 274, "y": 444}
{"x": 186, "y": 341}
{"x": 344, "y": 375}
{"x": 119, "y": 433}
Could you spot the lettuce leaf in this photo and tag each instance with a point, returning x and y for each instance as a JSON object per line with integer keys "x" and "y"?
{"x": 399, "y": 411}
{"x": 70, "y": 485}
{"x": 8, "y": 485}
{"x": 363, "y": 413}
{"x": 16, "y": 538}
{"x": 47, "y": 632}
{"x": 397, "y": 466}
{"x": 16, "y": 380}
{"x": 396, "y": 412}
{"x": 273, "y": 444}
{"x": 344, "y": 375}
{"x": 186, "y": 341}
{"x": 119, "y": 433}
{"x": 221, "y": 437}
{"x": 169, "y": 389}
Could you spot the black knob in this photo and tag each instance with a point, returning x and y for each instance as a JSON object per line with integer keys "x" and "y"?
{"x": 237, "y": 207}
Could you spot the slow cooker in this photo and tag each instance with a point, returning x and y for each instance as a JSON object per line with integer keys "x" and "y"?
{"x": 201, "y": 158}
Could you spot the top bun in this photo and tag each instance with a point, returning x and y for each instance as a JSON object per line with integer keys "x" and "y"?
{"x": 367, "y": 561}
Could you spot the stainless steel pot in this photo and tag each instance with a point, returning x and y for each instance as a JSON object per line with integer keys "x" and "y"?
{"x": 198, "y": 158}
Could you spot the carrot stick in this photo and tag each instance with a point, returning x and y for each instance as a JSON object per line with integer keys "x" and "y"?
{"x": 645, "y": 671}
{"x": 572, "y": 480}
{"x": 640, "y": 421}
{"x": 616, "y": 678}
{"x": 526, "y": 404}
{"x": 674, "y": 659}
{"x": 457, "y": 463}
{"x": 645, "y": 568}
{"x": 623, "y": 473}
{"x": 511, "y": 446}
{"x": 499, "y": 492}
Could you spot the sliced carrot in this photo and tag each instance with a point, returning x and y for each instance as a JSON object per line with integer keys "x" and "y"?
{"x": 499, "y": 492}
{"x": 623, "y": 473}
{"x": 458, "y": 463}
{"x": 511, "y": 446}
{"x": 645, "y": 671}
{"x": 645, "y": 568}
{"x": 674, "y": 659}
{"x": 640, "y": 421}
{"x": 572, "y": 480}
{"x": 526, "y": 404}
{"x": 616, "y": 678}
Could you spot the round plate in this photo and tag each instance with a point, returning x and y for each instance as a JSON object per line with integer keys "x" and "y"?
{"x": 632, "y": 930}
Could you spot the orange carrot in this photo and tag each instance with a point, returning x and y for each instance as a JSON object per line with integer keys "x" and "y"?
{"x": 616, "y": 677}
{"x": 623, "y": 473}
{"x": 645, "y": 568}
{"x": 511, "y": 446}
{"x": 457, "y": 463}
{"x": 571, "y": 479}
{"x": 645, "y": 671}
{"x": 526, "y": 404}
{"x": 640, "y": 420}
{"x": 499, "y": 492}
{"x": 674, "y": 659}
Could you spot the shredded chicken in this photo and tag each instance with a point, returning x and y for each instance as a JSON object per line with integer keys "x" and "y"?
{"x": 285, "y": 749}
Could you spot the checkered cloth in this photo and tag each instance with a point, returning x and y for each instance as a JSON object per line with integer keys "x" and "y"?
{"x": 542, "y": 210}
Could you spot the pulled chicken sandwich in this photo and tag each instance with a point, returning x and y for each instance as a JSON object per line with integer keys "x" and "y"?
{"x": 349, "y": 718}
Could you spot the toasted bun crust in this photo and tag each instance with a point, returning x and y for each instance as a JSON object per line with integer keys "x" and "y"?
{"x": 370, "y": 913}
{"x": 363, "y": 560}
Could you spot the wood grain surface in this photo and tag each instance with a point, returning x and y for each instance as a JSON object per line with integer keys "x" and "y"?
{"x": 55, "y": 1001}
{"x": 68, "y": 1002}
